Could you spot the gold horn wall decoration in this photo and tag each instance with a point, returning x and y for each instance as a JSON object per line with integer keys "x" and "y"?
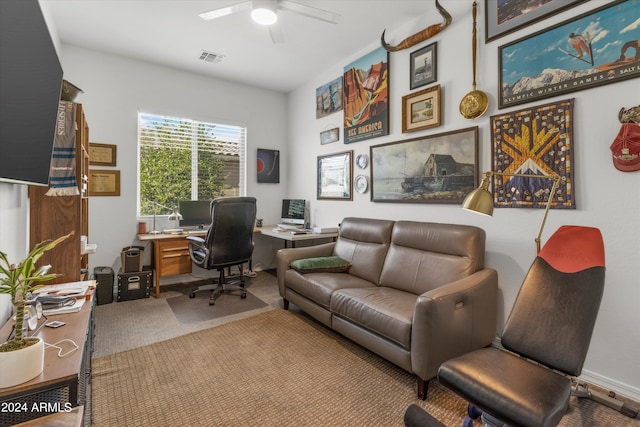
{"x": 420, "y": 36}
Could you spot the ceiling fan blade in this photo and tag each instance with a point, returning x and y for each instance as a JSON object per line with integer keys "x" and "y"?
{"x": 276, "y": 33}
{"x": 224, "y": 11}
{"x": 308, "y": 11}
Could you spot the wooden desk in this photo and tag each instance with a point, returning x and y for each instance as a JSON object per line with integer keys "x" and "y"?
{"x": 65, "y": 381}
{"x": 287, "y": 236}
{"x": 170, "y": 254}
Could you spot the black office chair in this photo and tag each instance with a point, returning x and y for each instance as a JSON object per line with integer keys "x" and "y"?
{"x": 229, "y": 242}
{"x": 546, "y": 337}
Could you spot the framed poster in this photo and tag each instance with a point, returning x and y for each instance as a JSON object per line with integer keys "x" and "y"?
{"x": 424, "y": 66}
{"x": 102, "y": 154}
{"x": 596, "y": 48}
{"x": 268, "y": 166}
{"x": 104, "y": 182}
{"x": 366, "y": 97}
{"x": 539, "y": 141}
{"x": 502, "y": 17}
{"x": 329, "y": 98}
{"x": 334, "y": 176}
{"x": 441, "y": 168}
{"x": 421, "y": 110}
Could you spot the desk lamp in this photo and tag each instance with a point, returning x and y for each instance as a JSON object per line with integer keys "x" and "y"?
{"x": 480, "y": 200}
{"x": 175, "y": 216}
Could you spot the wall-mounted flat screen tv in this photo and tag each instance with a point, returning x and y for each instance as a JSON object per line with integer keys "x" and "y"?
{"x": 30, "y": 85}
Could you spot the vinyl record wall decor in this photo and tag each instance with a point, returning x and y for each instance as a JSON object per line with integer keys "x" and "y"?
{"x": 268, "y": 166}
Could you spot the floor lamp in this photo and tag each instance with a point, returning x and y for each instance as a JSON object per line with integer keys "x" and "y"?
{"x": 175, "y": 216}
{"x": 480, "y": 200}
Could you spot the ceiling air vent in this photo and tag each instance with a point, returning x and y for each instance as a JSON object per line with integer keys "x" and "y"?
{"x": 207, "y": 56}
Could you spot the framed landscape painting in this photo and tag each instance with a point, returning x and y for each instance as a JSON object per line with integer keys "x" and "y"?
{"x": 504, "y": 17}
{"x": 335, "y": 173}
{"x": 596, "y": 48}
{"x": 329, "y": 98}
{"x": 441, "y": 168}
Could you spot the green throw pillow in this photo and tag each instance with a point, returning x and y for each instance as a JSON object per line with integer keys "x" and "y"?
{"x": 329, "y": 264}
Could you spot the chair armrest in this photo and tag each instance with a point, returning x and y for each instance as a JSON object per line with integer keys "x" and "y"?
{"x": 195, "y": 240}
{"x": 452, "y": 320}
{"x": 198, "y": 252}
{"x": 284, "y": 257}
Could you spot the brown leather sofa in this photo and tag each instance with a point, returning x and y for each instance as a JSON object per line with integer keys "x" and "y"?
{"x": 416, "y": 294}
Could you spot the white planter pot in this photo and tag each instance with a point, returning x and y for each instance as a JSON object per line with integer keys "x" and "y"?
{"x": 17, "y": 367}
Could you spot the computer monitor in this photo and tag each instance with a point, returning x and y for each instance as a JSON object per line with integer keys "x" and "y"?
{"x": 195, "y": 213}
{"x": 293, "y": 211}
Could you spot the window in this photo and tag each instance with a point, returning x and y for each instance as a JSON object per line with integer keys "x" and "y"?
{"x": 183, "y": 159}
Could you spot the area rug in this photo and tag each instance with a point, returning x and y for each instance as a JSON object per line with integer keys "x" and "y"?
{"x": 193, "y": 310}
{"x": 278, "y": 368}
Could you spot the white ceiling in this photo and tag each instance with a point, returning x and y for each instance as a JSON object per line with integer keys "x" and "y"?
{"x": 170, "y": 33}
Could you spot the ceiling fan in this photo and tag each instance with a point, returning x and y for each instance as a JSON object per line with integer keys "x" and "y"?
{"x": 265, "y": 12}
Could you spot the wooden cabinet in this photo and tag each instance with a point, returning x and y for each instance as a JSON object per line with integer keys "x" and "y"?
{"x": 52, "y": 217}
{"x": 174, "y": 257}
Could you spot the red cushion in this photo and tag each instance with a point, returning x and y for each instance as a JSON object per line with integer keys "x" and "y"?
{"x": 574, "y": 248}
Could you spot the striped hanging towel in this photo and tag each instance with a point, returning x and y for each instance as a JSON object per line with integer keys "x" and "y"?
{"x": 62, "y": 176}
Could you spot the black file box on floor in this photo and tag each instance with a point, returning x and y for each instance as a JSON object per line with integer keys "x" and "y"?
{"x": 134, "y": 285}
{"x": 104, "y": 291}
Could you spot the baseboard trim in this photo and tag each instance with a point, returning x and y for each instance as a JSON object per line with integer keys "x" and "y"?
{"x": 624, "y": 390}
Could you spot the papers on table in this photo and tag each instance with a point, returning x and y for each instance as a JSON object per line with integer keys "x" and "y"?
{"x": 70, "y": 289}
{"x": 64, "y": 291}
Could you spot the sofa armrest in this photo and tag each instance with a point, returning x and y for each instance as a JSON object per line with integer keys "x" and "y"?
{"x": 284, "y": 257}
{"x": 452, "y": 320}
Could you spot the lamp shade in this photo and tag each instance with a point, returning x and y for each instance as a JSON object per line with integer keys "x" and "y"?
{"x": 480, "y": 201}
{"x": 175, "y": 216}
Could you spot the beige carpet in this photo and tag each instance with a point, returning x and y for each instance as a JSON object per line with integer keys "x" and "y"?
{"x": 274, "y": 369}
{"x": 278, "y": 368}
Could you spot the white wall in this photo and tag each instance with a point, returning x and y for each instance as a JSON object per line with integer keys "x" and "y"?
{"x": 14, "y": 226}
{"x": 605, "y": 198}
{"x": 116, "y": 88}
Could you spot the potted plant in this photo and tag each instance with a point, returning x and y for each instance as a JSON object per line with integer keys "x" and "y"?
{"x": 22, "y": 358}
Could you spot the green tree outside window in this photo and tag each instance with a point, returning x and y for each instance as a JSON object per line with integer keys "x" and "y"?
{"x": 181, "y": 159}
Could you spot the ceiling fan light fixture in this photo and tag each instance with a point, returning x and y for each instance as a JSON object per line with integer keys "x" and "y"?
{"x": 264, "y": 12}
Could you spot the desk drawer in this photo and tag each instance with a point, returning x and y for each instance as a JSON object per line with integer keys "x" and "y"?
{"x": 174, "y": 257}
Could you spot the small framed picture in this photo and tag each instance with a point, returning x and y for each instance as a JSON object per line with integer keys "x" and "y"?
{"x": 424, "y": 66}
{"x": 102, "y": 154}
{"x": 421, "y": 110}
{"x": 104, "y": 182}
{"x": 329, "y": 136}
{"x": 334, "y": 176}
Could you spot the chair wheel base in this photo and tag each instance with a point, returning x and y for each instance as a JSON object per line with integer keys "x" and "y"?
{"x": 244, "y": 295}
{"x": 192, "y": 295}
